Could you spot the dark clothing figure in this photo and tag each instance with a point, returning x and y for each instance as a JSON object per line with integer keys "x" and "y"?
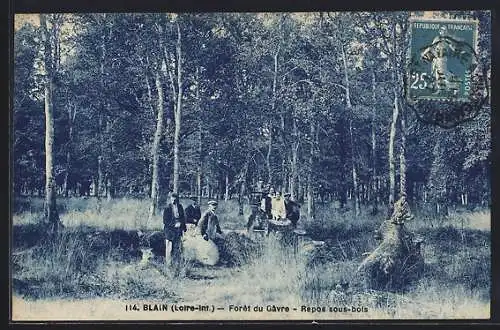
{"x": 256, "y": 219}
{"x": 209, "y": 226}
{"x": 170, "y": 217}
{"x": 267, "y": 206}
{"x": 292, "y": 211}
{"x": 174, "y": 222}
{"x": 193, "y": 214}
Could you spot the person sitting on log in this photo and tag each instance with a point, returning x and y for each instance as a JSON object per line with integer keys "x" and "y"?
{"x": 209, "y": 224}
{"x": 278, "y": 210}
{"x": 279, "y": 221}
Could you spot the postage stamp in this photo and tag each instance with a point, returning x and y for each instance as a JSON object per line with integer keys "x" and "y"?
{"x": 443, "y": 58}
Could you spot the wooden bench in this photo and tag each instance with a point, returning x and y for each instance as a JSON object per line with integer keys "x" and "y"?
{"x": 259, "y": 233}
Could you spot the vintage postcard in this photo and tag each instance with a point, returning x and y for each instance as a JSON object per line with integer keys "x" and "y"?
{"x": 251, "y": 166}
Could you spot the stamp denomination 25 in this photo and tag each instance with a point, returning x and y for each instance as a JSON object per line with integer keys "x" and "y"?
{"x": 444, "y": 83}
{"x": 442, "y": 59}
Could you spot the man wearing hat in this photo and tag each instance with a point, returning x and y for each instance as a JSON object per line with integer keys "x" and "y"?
{"x": 174, "y": 226}
{"x": 292, "y": 210}
{"x": 193, "y": 212}
{"x": 209, "y": 223}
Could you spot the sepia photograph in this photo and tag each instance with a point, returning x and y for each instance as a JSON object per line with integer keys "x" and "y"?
{"x": 251, "y": 166}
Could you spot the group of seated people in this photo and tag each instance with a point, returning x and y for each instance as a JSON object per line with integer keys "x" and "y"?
{"x": 275, "y": 208}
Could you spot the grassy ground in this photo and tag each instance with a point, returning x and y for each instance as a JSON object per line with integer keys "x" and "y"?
{"x": 456, "y": 282}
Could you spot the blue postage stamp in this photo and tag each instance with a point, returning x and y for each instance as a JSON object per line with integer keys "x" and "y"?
{"x": 442, "y": 59}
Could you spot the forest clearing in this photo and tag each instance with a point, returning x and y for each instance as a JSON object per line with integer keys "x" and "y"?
{"x": 374, "y": 127}
{"x": 455, "y": 284}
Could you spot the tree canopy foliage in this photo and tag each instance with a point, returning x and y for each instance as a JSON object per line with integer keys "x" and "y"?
{"x": 302, "y": 102}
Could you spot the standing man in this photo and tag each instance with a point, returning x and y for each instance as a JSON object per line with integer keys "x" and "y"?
{"x": 174, "y": 222}
{"x": 209, "y": 224}
{"x": 266, "y": 203}
{"x": 193, "y": 212}
{"x": 292, "y": 210}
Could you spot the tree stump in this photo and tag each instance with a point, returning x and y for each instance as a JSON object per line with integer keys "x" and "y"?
{"x": 397, "y": 261}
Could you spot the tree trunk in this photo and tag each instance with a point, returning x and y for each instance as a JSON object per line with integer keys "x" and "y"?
{"x": 310, "y": 187}
{"x": 268, "y": 155}
{"x": 284, "y": 155}
{"x": 50, "y": 194}
{"x": 402, "y": 155}
{"x": 294, "y": 160}
{"x": 199, "y": 165}
{"x": 226, "y": 192}
{"x": 156, "y": 148}
{"x": 209, "y": 187}
{"x": 71, "y": 120}
{"x": 375, "y": 197}
{"x": 397, "y": 82}
{"x": 178, "y": 110}
{"x": 100, "y": 165}
{"x": 50, "y": 206}
{"x": 355, "y": 191}
{"x": 243, "y": 188}
{"x": 240, "y": 197}
{"x": 100, "y": 191}
{"x": 270, "y": 123}
{"x": 351, "y": 134}
{"x": 392, "y": 137}
{"x": 109, "y": 187}
{"x": 109, "y": 153}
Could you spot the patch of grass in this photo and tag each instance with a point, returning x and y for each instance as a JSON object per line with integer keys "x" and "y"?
{"x": 272, "y": 276}
{"x": 456, "y": 257}
{"x": 331, "y": 221}
{"x": 53, "y": 268}
{"x": 228, "y": 215}
{"x": 133, "y": 281}
{"x": 81, "y": 262}
{"x": 27, "y": 217}
{"x": 120, "y": 213}
{"x": 429, "y": 300}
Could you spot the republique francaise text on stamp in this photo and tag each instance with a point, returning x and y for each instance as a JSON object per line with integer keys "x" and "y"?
{"x": 445, "y": 83}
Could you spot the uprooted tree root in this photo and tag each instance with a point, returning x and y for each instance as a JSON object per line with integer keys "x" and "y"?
{"x": 397, "y": 261}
